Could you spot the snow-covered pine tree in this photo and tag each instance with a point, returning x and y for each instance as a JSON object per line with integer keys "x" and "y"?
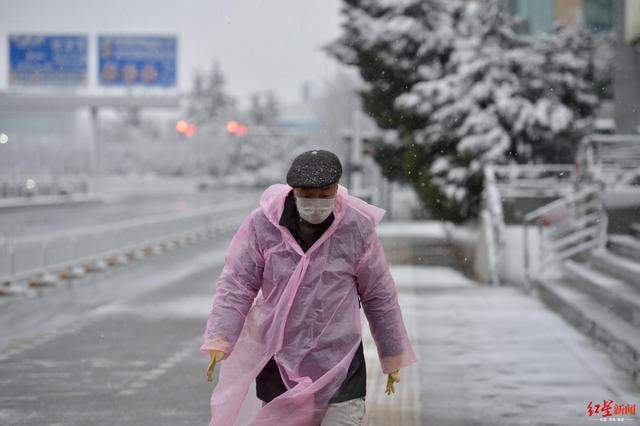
{"x": 264, "y": 109}
{"x": 456, "y": 88}
{"x": 208, "y": 100}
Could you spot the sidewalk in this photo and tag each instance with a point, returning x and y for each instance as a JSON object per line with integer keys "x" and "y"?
{"x": 489, "y": 355}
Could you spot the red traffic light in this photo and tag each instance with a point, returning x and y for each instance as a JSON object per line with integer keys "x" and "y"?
{"x": 232, "y": 126}
{"x": 181, "y": 126}
{"x": 236, "y": 128}
{"x": 186, "y": 128}
{"x": 191, "y": 130}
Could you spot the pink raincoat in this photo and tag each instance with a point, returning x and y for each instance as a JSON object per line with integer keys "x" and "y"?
{"x": 306, "y": 312}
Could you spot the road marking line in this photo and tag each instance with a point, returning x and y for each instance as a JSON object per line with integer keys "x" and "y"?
{"x": 143, "y": 378}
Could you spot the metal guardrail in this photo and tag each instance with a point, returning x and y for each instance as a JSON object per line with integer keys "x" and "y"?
{"x": 575, "y": 223}
{"x": 35, "y": 258}
{"x": 510, "y": 181}
{"x": 566, "y": 227}
{"x": 35, "y": 185}
{"x": 534, "y": 180}
{"x": 609, "y": 160}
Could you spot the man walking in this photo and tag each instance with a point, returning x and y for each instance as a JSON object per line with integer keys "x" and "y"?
{"x": 287, "y": 308}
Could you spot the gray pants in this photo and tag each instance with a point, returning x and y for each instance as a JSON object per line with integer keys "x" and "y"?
{"x": 346, "y": 413}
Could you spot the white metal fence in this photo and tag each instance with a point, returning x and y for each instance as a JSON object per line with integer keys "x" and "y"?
{"x": 26, "y": 257}
{"x": 534, "y": 180}
{"x": 30, "y": 185}
{"x": 612, "y": 161}
{"x": 566, "y": 227}
{"x": 576, "y": 222}
{"x": 511, "y": 181}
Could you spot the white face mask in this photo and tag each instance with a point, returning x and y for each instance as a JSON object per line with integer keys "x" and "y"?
{"x": 315, "y": 210}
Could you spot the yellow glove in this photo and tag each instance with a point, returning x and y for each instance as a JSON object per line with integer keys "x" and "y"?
{"x": 215, "y": 357}
{"x": 394, "y": 377}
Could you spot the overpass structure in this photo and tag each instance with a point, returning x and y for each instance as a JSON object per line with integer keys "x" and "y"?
{"x": 48, "y": 101}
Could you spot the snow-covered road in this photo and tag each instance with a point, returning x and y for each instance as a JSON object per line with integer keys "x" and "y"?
{"x": 117, "y": 207}
{"x": 124, "y": 351}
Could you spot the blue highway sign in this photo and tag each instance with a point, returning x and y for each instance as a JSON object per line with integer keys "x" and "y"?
{"x": 40, "y": 59}
{"x": 137, "y": 60}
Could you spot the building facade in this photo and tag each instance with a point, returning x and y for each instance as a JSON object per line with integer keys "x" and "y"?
{"x": 539, "y": 16}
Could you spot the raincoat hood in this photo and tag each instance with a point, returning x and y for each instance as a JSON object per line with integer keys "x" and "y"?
{"x": 275, "y": 300}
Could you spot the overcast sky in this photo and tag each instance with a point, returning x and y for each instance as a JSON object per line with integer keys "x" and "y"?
{"x": 260, "y": 44}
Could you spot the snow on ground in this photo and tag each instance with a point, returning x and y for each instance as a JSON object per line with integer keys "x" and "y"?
{"x": 462, "y": 234}
{"x": 488, "y": 356}
{"x": 431, "y": 229}
{"x": 429, "y": 276}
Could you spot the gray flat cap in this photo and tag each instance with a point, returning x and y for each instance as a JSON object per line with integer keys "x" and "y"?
{"x": 314, "y": 169}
